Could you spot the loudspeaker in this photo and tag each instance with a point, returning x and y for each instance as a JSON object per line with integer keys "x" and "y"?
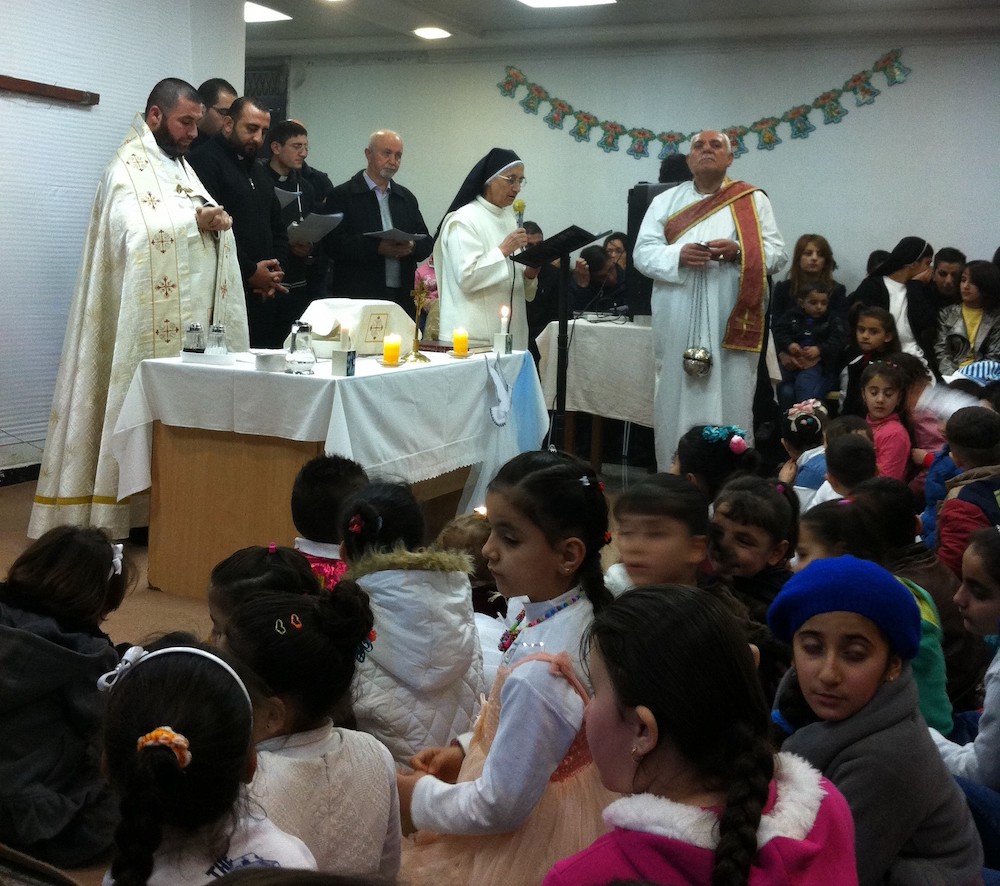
{"x": 640, "y": 287}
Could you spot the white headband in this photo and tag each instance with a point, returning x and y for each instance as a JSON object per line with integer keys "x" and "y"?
{"x": 502, "y": 170}
{"x": 136, "y": 654}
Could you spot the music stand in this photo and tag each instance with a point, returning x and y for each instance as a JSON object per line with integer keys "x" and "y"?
{"x": 559, "y": 246}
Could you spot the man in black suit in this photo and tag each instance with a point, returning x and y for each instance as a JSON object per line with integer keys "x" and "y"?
{"x": 370, "y": 267}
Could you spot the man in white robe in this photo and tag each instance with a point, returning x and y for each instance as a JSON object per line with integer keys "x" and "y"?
{"x": 159, "y": 254}
{"x": 708, "y": 245}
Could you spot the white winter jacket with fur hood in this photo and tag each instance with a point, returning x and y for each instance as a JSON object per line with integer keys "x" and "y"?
{"x": 421, "y": 684}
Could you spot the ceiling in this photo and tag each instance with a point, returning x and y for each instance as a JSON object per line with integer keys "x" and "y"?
{"x": 383, "y": 27}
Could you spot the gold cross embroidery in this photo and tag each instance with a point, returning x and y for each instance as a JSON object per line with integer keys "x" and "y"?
{"x": 162, "y": 241}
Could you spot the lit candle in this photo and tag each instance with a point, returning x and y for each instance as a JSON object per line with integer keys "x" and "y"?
{"x": 504, "y": 319}
{"x": 390, "y": 349}
{"x": 345, "y": 338}
{"x": 460, "y": 339}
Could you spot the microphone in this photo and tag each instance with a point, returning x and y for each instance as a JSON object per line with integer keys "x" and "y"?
{"x": 519, "y": 211}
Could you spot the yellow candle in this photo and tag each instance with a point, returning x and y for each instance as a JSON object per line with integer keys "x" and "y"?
{"x": 460, "y": 339}
{"x": 390, "y": 349}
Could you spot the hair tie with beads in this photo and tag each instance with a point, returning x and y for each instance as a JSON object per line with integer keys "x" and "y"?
{"x": 164, "y": 736}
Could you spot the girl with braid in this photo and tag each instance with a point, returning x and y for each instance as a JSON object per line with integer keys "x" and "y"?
{"x": 178, "y": 749}
{"x": 504, "y": 804}
{"x": 679, "y": 724}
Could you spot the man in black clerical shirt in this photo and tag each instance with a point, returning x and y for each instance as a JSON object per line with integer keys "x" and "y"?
{"x": 225, "y": 164}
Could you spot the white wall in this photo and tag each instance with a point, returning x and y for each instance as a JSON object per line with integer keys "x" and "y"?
{"x": 924, "y": 159}
{"x": 54, "y": 154}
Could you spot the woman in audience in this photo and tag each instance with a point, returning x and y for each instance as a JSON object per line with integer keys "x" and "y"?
{"x": 812, "y": 262}
{"x": 849, "y": 706}
{"x": 54, "y": 801}
{"x": 703, "y": 804}
{"x": 895, "y": 286}
{"x": 970, "y": 331}
{"x": 178, "y": 747}
{"x": 474, "y": 242}
{"x": 333, "y": 788}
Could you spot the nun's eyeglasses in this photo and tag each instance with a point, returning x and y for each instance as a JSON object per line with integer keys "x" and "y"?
{"x": 511, "y": 180}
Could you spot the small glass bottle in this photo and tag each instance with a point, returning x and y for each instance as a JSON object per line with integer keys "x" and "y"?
{"x": 194, "y": 339}
{"x": 216, "y": 340}
{"x": 300, "y": 359}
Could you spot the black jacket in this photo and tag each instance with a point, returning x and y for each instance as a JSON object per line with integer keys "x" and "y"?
{"x": 245, "y": 189}
{"x": 829, "y": 333}
{"x": 358, "y": 269}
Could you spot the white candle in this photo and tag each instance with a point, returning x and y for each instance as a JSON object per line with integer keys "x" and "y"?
{"x": 504, "y": 319}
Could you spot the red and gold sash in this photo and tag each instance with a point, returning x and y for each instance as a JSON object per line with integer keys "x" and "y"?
{"x": 745, "y": 326}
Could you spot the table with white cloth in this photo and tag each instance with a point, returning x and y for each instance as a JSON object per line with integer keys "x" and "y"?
{"x": 610, "y": 375}
{"x": 219, "y": 446}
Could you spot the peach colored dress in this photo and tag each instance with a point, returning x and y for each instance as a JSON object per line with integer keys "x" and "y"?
{"x": 565, "y": 820}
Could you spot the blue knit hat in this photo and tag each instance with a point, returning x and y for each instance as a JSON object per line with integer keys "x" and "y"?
{"x": 847, "y": 584}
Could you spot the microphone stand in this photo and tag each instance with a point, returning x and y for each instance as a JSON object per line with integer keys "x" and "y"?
{"x": 559, "y": 246}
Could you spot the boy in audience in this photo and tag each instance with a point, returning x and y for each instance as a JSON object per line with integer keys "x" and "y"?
{"x": 966, "y": 656}
{"x": 973, "y": 434}
{"x": 661, "y": 533}
{"x": 318, "y": 494}
{"x": 850, "y": 460}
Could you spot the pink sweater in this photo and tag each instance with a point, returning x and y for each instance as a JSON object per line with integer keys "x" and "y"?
{"x": 806, "y": 836}
{"x": 892, "y": 447}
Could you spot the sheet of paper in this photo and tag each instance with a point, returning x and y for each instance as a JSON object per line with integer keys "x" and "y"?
{"x": 313, "y": 227}
{"x": 286, "y": 197}
{"x": 394, "y": 234}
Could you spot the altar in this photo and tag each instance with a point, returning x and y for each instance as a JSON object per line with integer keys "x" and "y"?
{"x": 219, "y": 446}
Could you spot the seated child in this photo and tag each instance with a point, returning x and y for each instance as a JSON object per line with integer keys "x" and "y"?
{"x": 702, "y": 804}
{"x": 883, "y": 388}
{"x": 875, "y": 339}
{"x": 978, "y": 602}
{"x": 333, "y": 788}
{"x": 842, "y": 527}
{"x": 421, "y": 685}
{"x": 318, "y": 495}
{"x": 840, "y": 426}
{"x": 971, "y": 501}
{"x": 468, "y": 533}
{"x": 850, "y": 460}
{"x": 810, "y": 341}
{"x": 751, "y": 538}
{"x": 708, "y": 455}
{"x": 54, "y": 802}
{"x": 803, "y": 439}
{"x": 526, "y": 793}
{"x": 849, "y": 706}
{"x": 255, "y": 569}
{"x": 661, "y": 533}
{"x": 178, "y": 747}
{"x": 966, "y": 655}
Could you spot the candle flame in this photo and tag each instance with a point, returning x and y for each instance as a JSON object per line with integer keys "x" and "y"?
{"x": 504, "y": 312}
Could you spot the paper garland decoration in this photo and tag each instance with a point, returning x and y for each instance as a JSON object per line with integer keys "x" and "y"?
{"x": 829, "y": 104}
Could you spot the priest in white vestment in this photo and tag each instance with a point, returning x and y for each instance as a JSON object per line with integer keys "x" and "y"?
{"x": 474, "y": 242}
{"x": 159, "y": 254}
{"x": 708, "y": 245}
